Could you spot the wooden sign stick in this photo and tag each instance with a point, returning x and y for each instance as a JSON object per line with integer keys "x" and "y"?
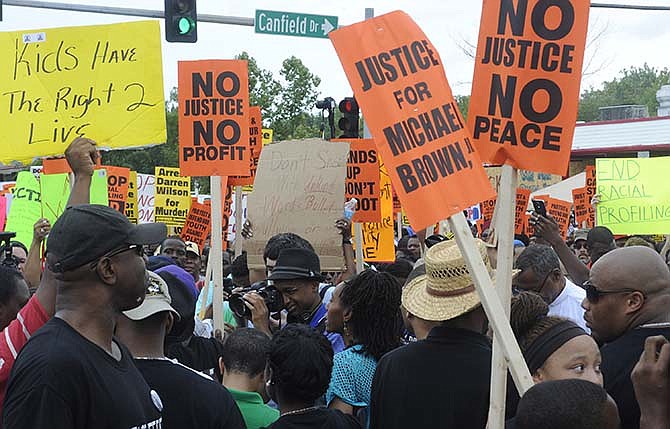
{"x": 238, "y": 220}
{"x": 215, "y": 254}
{"x": 491, "y": 302}
{"x": 504, "y": 215}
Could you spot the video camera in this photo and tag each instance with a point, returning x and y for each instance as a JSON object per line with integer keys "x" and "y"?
{"x": 272, "y": 297}
{"x": 8, "y": 258}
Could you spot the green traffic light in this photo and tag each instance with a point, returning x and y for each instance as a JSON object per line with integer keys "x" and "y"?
{"x": 185, "y": 25}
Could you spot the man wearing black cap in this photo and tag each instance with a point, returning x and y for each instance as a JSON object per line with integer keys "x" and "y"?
{"x": 72, "y": 373}
{"x": 296, "y": 275}
{"x": 191, "y": 399}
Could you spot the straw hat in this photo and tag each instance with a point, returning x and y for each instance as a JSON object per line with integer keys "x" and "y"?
{"x": 446, "y": 290}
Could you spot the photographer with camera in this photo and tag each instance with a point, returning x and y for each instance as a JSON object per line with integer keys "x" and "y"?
{"x": 295, "y": 284}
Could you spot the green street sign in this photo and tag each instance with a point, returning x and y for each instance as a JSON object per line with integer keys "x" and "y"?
{"x": 294, "y": 24}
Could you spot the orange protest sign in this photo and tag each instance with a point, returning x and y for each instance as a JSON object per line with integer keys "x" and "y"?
{"x": 560, "y": 211}
{"x": 363, "y": 179}
{"x": 529, "y": 230}
{"x": 522, "y": 196}
{"x": 59, "y": 165}
{"x": 525, "y": 88}
{"x": 579, "y": 199}
{"x": 255, "y": 146}
{"x": 198, "y": 224}
{"x": 487, "y": 207}
{"x": 397, "y": 207}
{"x": 214, "y": 118}
{"x": 118, "y": 179}
{"x": 400, "y": 84}
{"x": 590, "y": 193}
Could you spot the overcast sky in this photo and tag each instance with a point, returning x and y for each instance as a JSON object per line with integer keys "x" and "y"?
{"x": 627, "y": 38}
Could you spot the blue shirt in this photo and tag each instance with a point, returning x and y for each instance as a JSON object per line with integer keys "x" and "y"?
{"x": 318, "y": 322}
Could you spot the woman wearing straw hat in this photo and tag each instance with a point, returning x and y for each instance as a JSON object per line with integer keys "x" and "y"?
{"x": 443, "y": 380}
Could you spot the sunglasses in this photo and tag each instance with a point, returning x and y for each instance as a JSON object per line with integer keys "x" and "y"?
{"x": 594, "y": 294}
{"x": 580, "y": 245}
{"x": 139, "y": 250}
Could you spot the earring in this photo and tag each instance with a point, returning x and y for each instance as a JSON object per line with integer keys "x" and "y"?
{"x": 346, "y": 329}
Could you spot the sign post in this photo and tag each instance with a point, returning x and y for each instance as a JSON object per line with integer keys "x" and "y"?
{"x": 294, "y": 24}
{"x": 505, "y": 233}
{"x": 238, "y": 220}
{"x": 215, "y": 254}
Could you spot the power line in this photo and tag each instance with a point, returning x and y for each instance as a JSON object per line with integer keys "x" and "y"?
{"x": 628, "y": 6}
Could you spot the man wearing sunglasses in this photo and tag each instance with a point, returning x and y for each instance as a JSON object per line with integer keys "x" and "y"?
{"x": 627, "y": 300}
{"x": 541, "y": 273}
{"x": 580, "y": 248}
{"x": 72, "y": 373}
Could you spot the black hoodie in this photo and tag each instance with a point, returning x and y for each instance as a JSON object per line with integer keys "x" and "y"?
{"x": 321, "y": 418}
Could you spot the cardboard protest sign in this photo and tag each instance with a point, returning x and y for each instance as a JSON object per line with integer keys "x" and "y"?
{"x": 55, "y": 191}
{"x": 531, "y": 180}
{"x": 634, "y": 196}
{"x": 590, "y": 193}
{"x": 581, "y": 206}
{"x": 131, "y": 200}
{"x": 255, "y": 146}
{"x": 227, "y": 212}
{"x": 214, "y": 118}
{"x": 198, "y": 224}
{"x": 285, "y": 198}
{"x": 99, "y": 81}
{"x": 363, "y": 179}
{"x": 146, "y": 184}
{"x": 117, "y": 187}
{"x": 525, "y": 89}
{"x": 173, "y": 196}
{"x": 522, "y": 196}
{"x": 25, "y": 208}
{"x": 400, "y": 84}
{"x": 560, "y": 210}
{"x": 378, "y": 237}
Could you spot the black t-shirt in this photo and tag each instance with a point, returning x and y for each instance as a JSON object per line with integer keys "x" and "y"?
{"x": 321, "y": 418}
{"x": 440, "y": 382}
{"x": 619, "y": 358}
{"x": 62, "y": 380}
{"x": 191, "y": 399}
{"x": 200, "y": 354}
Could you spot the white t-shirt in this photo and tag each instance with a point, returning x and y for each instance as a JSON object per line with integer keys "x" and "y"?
{"x": 569, "y": 304}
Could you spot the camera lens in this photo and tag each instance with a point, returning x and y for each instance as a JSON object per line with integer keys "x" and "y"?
{"x": 237, "y": 306}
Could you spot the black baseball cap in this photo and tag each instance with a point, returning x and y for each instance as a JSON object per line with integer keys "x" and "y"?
{"x": 86, "y": 232}
{"x": 296, "y": 263}
{"x": 599, "y": 234}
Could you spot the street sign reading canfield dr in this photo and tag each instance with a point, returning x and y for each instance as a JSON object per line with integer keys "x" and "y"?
{"x": 294, "y": 24}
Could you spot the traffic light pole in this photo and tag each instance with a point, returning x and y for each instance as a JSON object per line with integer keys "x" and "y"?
{"x": 108, "y": 10}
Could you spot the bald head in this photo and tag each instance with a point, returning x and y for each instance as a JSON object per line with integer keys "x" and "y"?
{"x": 636, "y": 266}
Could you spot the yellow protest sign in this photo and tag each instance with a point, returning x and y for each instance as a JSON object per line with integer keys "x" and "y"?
{"x": 104, "y": 82}
{"x": 25, "y": 208}
{"x": 378, "y": 244}
{"x": 55, "y": 191}
{"x": 131, "y": 201}
{"x": 173, "y": 196}
{"x": 267, "y": 136}
{"x": 634, "y": 197}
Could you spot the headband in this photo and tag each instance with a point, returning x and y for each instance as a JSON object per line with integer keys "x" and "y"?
{"x": 550, "y": 341}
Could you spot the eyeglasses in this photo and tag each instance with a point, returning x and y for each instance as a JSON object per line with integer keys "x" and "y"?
{"x": 593, "y": 294}
{"x": 137, "y": 248}
{"x": 580, "y": 245}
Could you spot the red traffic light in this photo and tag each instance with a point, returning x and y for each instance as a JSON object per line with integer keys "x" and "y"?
{"x": 348, "y": 105}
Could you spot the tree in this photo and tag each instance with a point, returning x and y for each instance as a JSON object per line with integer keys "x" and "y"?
{"x": 463, "y": 102}
{"x": 637, "y": 85}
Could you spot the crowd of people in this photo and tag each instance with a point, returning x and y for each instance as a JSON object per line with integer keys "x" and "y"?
{"x": 116, "y": 330}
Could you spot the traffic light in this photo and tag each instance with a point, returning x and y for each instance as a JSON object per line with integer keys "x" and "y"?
{"x": 181, "y": 21}
{"x": 348, "y": 123}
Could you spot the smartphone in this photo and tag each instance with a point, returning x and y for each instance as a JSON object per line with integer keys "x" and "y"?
{"x": 540, "y": 208}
